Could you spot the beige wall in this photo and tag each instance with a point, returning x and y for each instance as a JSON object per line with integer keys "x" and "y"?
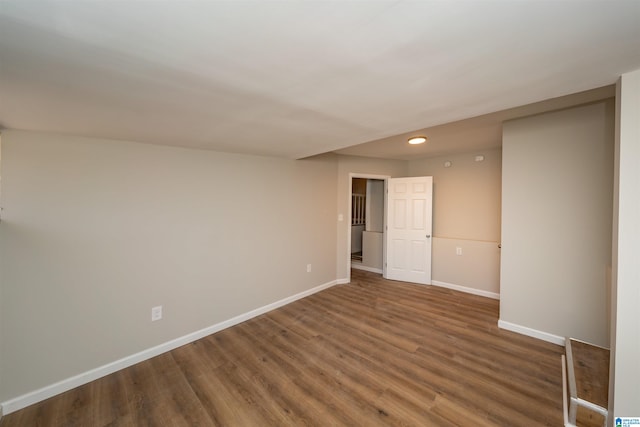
{"x": 624, "y": 378}
{"x": 94, "y": 233}
{"x": 466, "y": 195}
{"x": 360, "y": 165}
{"x": 476, "y": 270}
{"x": 466, "y": 215}
{"x": 557, "y": 180}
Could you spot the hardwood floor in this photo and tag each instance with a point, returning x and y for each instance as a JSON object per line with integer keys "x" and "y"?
{"x": 371, "y": 353}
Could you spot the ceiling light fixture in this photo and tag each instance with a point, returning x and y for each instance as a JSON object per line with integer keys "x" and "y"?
{"x": 414, "y": 140}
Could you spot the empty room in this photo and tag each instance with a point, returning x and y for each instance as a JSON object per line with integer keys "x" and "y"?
{"x": 319, "y": 213}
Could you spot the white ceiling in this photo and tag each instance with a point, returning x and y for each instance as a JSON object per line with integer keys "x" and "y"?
{"x": 297, "y": 78}
{"x": 474, "y": 134}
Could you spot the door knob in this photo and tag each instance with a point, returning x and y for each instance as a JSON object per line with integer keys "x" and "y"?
{"x": 428, "y": 236}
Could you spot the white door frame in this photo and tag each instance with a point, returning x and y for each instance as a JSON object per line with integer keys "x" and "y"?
{"x": 384, "y": 178}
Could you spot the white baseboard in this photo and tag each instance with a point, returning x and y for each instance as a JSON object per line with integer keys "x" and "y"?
{"x": 366, "y": 268}
{"x": 544, "y": 336}
{"x": 46, "y": 392}
{"x": 343, "y": 281}
{"x": 468, "y": 290}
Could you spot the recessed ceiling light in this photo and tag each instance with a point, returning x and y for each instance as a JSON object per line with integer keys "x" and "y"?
{"x": 414, "y": 140}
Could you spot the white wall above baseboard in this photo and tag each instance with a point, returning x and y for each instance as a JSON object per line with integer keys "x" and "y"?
{"x": 534, "y": 333}
{"x": 468, "y": 290}
{"x": 39, "y": 395}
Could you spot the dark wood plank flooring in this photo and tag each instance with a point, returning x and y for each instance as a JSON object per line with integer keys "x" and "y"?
{"x": 591, "y": 365}
{"x": 371, "y": 353}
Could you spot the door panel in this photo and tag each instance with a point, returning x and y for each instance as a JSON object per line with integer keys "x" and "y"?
{"x": 419, "y": 207}
{"x": 398, "y": 248}
{"x": 409, "y": 207}
{"x": 399, "y": 217}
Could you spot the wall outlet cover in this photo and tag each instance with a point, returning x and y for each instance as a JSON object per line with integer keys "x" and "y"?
{"x": 156, "y": 313}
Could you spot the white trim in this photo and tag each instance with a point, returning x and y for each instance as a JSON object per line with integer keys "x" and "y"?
{"x": 590, "y": 405}
{"x": 46, "y": 392}
{"x": 343, "y": 281}
{"x": 544, "y": 336}
{"x": 473, "y": 291}
{"x": 565, "y": 410}
{"x": 591, "y": 344}
{"x": 366, "y": 268}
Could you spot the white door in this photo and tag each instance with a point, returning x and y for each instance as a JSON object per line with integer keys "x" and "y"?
{"x": 409, "y": 205}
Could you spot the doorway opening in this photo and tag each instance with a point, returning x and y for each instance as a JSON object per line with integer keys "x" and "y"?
{"x": 367, "y": 222}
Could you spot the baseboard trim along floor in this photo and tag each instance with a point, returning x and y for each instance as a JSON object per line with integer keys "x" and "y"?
{"x": 466, "y": 289}
{"x": 534, "y": 333}
{"x": 366, "y": 268}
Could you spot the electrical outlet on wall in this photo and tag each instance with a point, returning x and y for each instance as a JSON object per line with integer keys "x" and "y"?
{"x": 308, "y": 268}
{"x": 156, "y": 313}
{"x": 458, "y": 250}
